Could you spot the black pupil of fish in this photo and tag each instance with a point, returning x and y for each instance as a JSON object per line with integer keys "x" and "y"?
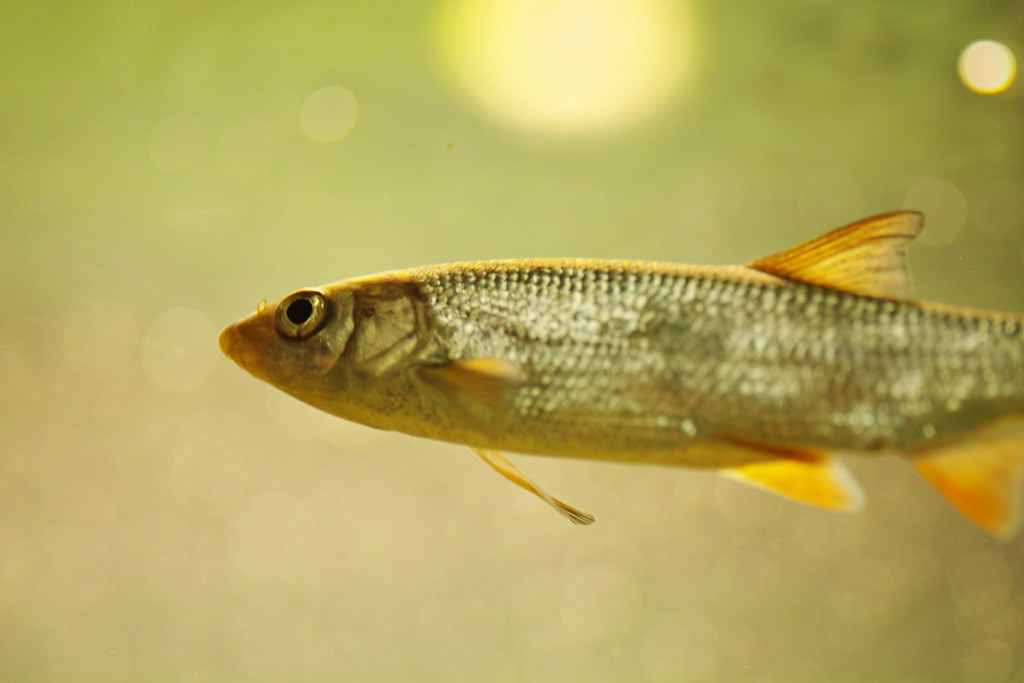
{"x": 299, "y": 311}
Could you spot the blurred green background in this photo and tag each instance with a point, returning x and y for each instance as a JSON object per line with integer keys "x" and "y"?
{"x": 164, "y": 166}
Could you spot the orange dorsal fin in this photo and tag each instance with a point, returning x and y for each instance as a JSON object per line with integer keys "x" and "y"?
{"x": 867, "y": 257}
{"x": 981, "y": 473}
{"x": 505, "y": 468}
{"x": 811, "y": 478}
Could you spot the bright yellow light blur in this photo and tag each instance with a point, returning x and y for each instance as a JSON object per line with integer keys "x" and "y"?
{"x": 570, "y": 66}
{"x": 987, "y": 67}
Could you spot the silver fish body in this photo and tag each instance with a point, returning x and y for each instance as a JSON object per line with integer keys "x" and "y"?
{"x": 633, "y": 358}
{"x": 760, "y": 371}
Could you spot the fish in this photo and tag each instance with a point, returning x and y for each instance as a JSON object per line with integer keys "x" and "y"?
{"x": 770, "y": 373}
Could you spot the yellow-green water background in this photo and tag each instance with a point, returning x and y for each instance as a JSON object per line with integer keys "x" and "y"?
{"x": 164, "y": 516}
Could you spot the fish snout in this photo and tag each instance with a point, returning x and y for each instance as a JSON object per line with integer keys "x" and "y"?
{"x": 244, "y": 343}
{"x": 233, "y": 345}
{"x": 227, "y": 339}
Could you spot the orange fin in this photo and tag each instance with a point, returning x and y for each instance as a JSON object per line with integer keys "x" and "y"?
{"x": 809, "y": 478}
{"x": 505, "y": 468}
{"x": 488, "y": 381}
{"x": 980, "y": 474}
{"x": 867, "y": 257}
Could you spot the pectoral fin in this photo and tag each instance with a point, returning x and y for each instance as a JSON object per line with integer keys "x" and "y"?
{"x": 490, "y": 382}
{"x": 811, "y": 478}
{"x": 981, "y": 474}
{"x": 505, "y": 468}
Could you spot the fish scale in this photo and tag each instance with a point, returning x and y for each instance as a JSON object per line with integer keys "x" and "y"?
{"x": 570, "y": 328}
{"x": 761, "y": 372}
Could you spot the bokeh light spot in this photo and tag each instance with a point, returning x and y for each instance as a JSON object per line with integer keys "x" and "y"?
{"x": 179, "y": 349}
{"x": 176, "y": 142}
{"x": 329, "y": 114}
{"x": 944, "y": 206}
{"x": 987, "y": 67}
{"x": 569, "y": 66}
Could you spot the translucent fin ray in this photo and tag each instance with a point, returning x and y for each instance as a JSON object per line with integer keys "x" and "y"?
{"x": 505, "y": 468}
{"x": 981, "y": 474}
{"x": 488, "y": 381}
{"x": 813, "y": 479}
{"x": 867, "y": 257}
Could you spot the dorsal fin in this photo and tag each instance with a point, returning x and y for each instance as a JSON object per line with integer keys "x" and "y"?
{"x": 867, "y": 257}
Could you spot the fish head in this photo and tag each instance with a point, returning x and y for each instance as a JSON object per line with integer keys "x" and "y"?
{"x": 292, "y": 343}
{"x": 344, "y": 348}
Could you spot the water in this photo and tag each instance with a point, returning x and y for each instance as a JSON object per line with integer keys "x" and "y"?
{"x": 163, "y": 169}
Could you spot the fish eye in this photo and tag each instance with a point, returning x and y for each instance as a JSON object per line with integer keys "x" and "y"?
{"x": 301, "y": 314}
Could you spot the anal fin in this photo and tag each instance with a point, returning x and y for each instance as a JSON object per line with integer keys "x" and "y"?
{"x": 981, "y": 474}
{"x": 807, "y": 477}
{"x": 505, "y": 468}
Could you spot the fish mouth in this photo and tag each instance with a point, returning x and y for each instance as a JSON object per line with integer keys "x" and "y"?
{"x": 233, "y": 345}
{"x": 226, "y": 340}
{"x": 245, "y": 342}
